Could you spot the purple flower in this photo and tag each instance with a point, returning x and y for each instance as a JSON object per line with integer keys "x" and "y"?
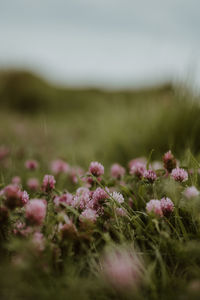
{"x": 33, "y": 184}
{"x": 82, "y": 198}
{"x": 16, "y": 180}
{"x": 24, "y": 197}
{"x": 134, "y": 161}
{"x": 179, "y": 174}
{"x": 31, "y": 164}
{"x": 48, "y": 183}
{"x": 96, "y": 169}
{"x": 150, "y": 175}
{"x": 117, "y": 171}
{"x": 99, "y": 195}
{"x": 36, "y": 211}
{"x": 138, "y": 168}
{"x": 75, "y": 173}
{"x": 14, "y": 197}
{"x": 88, "y": 215}
{"x": 66, "y": 198}
{"x": 122, "y": 269}
{"x": 167, "y": 206}
{"x": 169, "y": 161}
{"x": 59, "y": 166}
{"x": 154, "y": 206}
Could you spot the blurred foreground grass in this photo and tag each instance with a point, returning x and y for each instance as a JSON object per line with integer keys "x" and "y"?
{"x": 81, "y": 125}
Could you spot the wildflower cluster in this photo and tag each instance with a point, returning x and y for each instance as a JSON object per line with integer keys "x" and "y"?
{"x": 114, "y": 215}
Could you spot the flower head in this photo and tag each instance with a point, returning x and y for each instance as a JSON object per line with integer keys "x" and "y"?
{"x": 82, "y": 198}
{"x": 117, "y": 171}
{"x": 191, "y": 192}
{"x": 36, "y": 211}
{"x": 14, "y": 197}
{"x": 134, "y": 161}
{"x": 96, "y": 169}
{"x": 33, "y": 184}
{"x": 122, "y": 269}
{"x": 24, "y": 197}
{"x": 48, "y": 183}
{"x": 169, "y": 161}
{"x": 16, "y": 180}
{"x": 138, "y": 168}
{"x": 121, "y": 212}
{"x": 59, "y": 166}
{"x": 117, "y": 197}
{"x": 31, "y": 164}
{"x": 154, "y": 206}
{"x": 88, "y": 215}
{"x": 66, "y": 198}
{"x": 75, "y": 173}
{"x": 167, "y": 206}
{"x": 179, "y": 174}
{"x": 150, "y": 175}
{"x": 99, "y": 195}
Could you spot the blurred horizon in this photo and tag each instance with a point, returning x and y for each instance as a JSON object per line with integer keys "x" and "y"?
{"x": 115, "y": 44}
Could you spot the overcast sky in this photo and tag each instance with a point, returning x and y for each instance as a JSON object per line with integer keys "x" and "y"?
{"x": 102, "y": 42}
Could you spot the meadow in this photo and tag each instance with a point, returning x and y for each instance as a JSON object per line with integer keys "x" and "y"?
{"x": 99, "y": 191}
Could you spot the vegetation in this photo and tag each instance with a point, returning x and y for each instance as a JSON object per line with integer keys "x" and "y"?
{"x": 94, "y": 232}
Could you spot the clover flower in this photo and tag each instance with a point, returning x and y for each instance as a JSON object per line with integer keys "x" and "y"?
{"x": 33, "y": 184}
{"x": 191, "y": 192}
{"x": 48, "y": 183}
{"x": 99, "y": 195}
{"x": 121, "y": 212}
{"x": 117, "y": 171}
{"x": 35, "y": 211}
{"x": 75, "y": 173}
{"x": 82, "y": 198}
{"x": 167, "y": 206}
{"x": 16, "y": 180}
{"x": 154, "y": 206}
{"x": 88, "y": 215}
{"x": 65, "y": 198}
{"x": 59, "y": 166}
{"x": 14, "y": 197}
{"x": 150, "y": 175}
{"x": 122, "y": 269}
{"x": 96, "y": 169}
{"x": 117, "y": 197}
{"x": 169, "y": 161}
{"x": 179, "y": 174}
{"x": 138, "y": 168}
{"x": 31, "y": 164}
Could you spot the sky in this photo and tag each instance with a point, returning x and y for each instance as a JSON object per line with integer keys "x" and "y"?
{"x": 114, "y": 43}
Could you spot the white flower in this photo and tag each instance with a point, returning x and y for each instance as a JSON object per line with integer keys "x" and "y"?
{"x": 191, "y": 192}
{"x": 118, "y": 197}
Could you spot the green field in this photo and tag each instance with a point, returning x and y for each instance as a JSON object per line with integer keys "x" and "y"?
{"x": 81, "y": 125}
{"x": 44, "y": 122}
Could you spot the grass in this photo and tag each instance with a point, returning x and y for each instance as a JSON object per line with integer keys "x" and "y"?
{"x": 44, "y": 122}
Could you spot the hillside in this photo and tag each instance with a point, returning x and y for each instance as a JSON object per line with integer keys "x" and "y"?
{"x": 81, "y": 124}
